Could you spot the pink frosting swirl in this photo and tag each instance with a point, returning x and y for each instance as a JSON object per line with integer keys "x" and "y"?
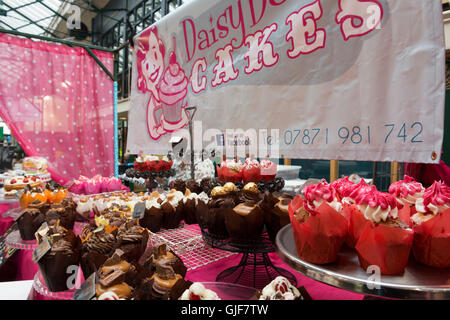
{"x": 437, "y": 194}
{"x": 173, "y": 87}
{"x": 315, "y": 195}
{"x": 342, "y": 186}
{"x": 251, "y": 163}
{"x": 406, "y": 187}
{"x": 374, "y": 198}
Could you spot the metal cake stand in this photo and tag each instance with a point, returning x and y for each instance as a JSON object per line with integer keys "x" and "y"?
{"x": 417, "y": 282}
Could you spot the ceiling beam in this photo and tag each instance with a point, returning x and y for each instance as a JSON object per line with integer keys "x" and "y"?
{"x": 28, "y": 19}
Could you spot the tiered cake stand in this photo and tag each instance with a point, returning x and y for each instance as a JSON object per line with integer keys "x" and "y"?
{"x": 417, "y": 282}
{"x": 255, "y": 268}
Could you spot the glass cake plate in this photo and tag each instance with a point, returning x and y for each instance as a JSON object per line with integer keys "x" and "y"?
{"x": 13, "y": 240}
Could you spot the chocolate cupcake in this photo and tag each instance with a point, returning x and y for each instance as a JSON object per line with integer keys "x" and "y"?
{"x": 217, "y": 208}
{"x": 172, "y": 206}
{"x": 132, "y": 240}
{"x": 41, "y": 206}
{"x": 194, "y": 205}
{"x": 162, "y": 253}
{"x": 115, "y": 276}
{"x": 65, "y": 252}
{"x": 153, "y": 216}
{"x": 165, "y": 284}
{"x": 29, "y": 222}
{"x": 233, "y": 192}
{"x": 246, "y": 220}
{"x": 194, "y": 187}
{"x": 179, "y": 185}
{"x": 276, "y": 213}
{"x": 65, "y": 215}
{"x": 97, "y": 246}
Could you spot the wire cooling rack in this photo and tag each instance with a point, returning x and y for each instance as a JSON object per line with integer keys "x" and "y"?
{"x": 186, "y": 241}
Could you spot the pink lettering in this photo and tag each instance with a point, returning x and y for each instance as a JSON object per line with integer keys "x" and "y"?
{"x": 358, "y": 17}
{"x": 186, "y": 42}
{"x": 224, "y": 70}
{"x": 260, "y": 52}
{"x": 304, "y": 34}
{"x": 194, "y": 79}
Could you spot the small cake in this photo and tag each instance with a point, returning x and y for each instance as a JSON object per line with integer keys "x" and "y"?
{"x": 193, "y": 186}
{"x": 97, "y": 246}
{"x": 113, "y": 276}
{"x": 230, "y": 170}
{"x": 161, "y": 252}
{"x": 29, "y": 222}
{"x": 179, "y": 185}
{"x": 319, "y": 230}
{"x": 386, "y": 240}
{"x": 165, "y": 282}
{"x": 132, "y": 240}
{"x": 66, "y": 215}
{"x": 65, "y": 251}
{"x": 153, "y": 216}
{"x": 280, "y": 289}
{"x": 268, "y": 170}
{"x": 217, "y": 208}
{"x": 276, "y": 213}
{"x": 316, "y": 195}
{"x": 191, "y": 203}
{"x": 407, "y": 191}
{"x": 251, "y": 171}
{"x": 172, "y": 206}
{"x": 197, "y": 291}
{"x": 246, "y": 220}
{"x": 432, "y": 226}
{"x": 85, "y": 206}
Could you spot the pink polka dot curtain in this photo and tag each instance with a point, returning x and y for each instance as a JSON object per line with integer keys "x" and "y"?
{"x": 58, "y": 103}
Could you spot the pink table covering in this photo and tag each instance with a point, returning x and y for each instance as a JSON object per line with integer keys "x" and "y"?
{"x": 26, "y": 269}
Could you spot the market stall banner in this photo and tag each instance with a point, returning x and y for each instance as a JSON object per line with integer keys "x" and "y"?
{"x": 324, "y": 79}
{"x": 58, "y": 103}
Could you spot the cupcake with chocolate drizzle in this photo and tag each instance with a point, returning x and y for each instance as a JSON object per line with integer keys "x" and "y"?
{"x": 115, "y": 276}
{"x": 246, "y": 220}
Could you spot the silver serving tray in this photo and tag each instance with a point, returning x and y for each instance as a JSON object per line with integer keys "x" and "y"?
{"x": 417, "y": 282}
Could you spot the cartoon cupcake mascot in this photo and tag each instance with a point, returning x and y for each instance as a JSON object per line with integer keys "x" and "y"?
{"x": 167, "y": 86}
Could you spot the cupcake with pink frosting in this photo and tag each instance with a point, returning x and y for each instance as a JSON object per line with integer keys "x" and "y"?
{"x": 407, "y": 191}
{"x": 386, "y": 240}
{"x": 316, "y": 195}
{"x": 251, "y": 171}
{"x": 173, "y": 90}
{"x": 432, "y": 226}
{"x": 268, "y": 170}
{"x": 230, "y": 170}
{"x": 318, "y": 226}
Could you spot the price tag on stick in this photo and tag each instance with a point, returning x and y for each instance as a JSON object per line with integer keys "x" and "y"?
{"x": 139, "y": 210}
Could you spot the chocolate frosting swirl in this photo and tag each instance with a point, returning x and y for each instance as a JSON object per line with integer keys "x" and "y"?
{"x": 101, "y": 242}
{"x": 130, "y": 233}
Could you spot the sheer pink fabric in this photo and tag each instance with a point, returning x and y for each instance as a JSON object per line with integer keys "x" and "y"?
{"x": 58, "y": 103}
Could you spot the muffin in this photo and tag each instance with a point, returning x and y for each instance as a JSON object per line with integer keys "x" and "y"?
{"x": 97, "y": 246}
{"x": 113, "y": 276}
{"x": 29, "y": 222}
{"x": 172, "y": 206}
{"x": 193, "y": 186}
{"x": 386, "y": 241}
{"x": 251, "y": 171}
{"x": 432, "y": 227}
{"x": 276, "y": 213}
{"x": 246, "y": 220}
{"x": 132, "y": 240}
{"x": 233, "y": 192}
{"x": 161, "y": 252}
{"x": 153, "y": 216}
{"x": 84, "y": 207}
{"x": 268, "y": 170}
{"x": 407, "y": 191}
{"x": 230, "y": 171}
{"x": 65, "y": 251}
{"x": 194, "y": 205}
{"x": 165, "y": 283}
{"x": 65, "y": 215}
{"x": 217, "y": 208}
{"x": 319, "y": 230}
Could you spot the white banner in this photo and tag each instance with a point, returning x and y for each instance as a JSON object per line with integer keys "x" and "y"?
{"x": 325, "y": 79}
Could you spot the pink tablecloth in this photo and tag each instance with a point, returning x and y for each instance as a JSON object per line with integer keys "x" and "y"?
{"x": 21, "y": 267}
